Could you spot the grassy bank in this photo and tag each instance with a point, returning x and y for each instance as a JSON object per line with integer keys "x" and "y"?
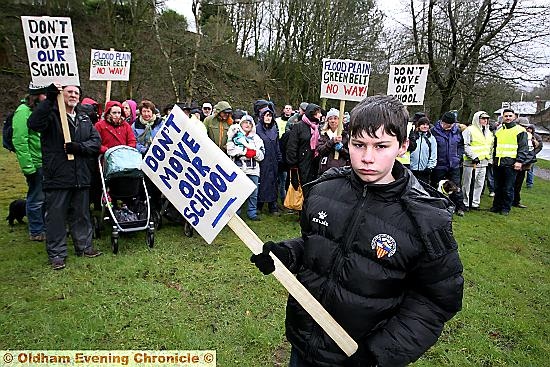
{"x": 185, "y": 294}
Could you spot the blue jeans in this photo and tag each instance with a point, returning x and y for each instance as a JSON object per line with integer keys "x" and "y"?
{"x": 252, "y": 210}
{"x": 530, "y": 177}
{"x": 281, "y": 183}
{"x": 505, "y": 177}
{"x": 35, "y": 201}
{"x": 490, "y": 178}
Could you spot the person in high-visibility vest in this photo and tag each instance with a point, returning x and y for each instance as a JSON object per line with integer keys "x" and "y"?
{"x": 511, "y": 151}
{"x": 478, "y": 152}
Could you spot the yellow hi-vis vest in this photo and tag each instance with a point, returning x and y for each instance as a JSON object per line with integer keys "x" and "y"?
{"x": 507, "y": 141}
{"x": 480, "y": 145}
{"x": 406, "y": 158}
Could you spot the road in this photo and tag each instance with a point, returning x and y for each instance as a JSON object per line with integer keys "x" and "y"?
{"x": 545, "y": 152}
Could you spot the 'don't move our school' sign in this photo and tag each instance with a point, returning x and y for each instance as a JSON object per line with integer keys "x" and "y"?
{"x": 346, "y": 80}
{"x": 200, "y": 180}
{"x": 50, "y": 50}
{"x": 408, "y": 83}
{"x": 110, "y": 65}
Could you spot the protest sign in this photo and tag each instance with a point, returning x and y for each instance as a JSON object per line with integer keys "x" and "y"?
{"x": 408, "y": 83}
{"x": 110, "y": 65}
{"x": 346, "y": 80}
{"x": 50, "y": 50}
{"x": 207, "y": 188}
{"x": 204, "y": 185}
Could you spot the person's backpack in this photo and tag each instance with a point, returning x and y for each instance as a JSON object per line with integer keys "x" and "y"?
{"x": 7, "y": 133}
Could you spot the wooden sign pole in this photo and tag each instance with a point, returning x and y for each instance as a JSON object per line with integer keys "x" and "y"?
{"x": 108, "y": 90}
{"x": 64, "y": 122}
{"x": 340, "y": 124}
{"x": 296, "y": 289}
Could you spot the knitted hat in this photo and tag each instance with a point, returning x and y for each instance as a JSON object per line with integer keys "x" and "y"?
{"x": 333, "y": 112}
{"x": 417, "y": 116}
{"x": 448, "y": 117}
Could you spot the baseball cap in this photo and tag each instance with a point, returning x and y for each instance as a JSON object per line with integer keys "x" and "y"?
{"x": 206, "y": 105}
{"x": 484, "y": 115}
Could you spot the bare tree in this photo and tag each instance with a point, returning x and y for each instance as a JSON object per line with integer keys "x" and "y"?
{"x": 467, "y": 41}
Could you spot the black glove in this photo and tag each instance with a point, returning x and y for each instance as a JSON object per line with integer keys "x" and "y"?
{"x": 73, "y": 148}
{"x": 475, "y": 160}
{"x": 294, "y": 179}
{"x": 51, "y": 92}
{"x": 362, "y": 358}
{"x": 265, "y": 263}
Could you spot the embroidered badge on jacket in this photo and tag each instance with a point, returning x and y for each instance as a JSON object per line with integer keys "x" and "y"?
{"x": 321, "y": 220}
{"x": 384, "y": 245}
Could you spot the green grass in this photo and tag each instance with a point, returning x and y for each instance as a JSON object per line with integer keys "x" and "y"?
{"x": 185, "y": 294}
{"x": 543, "y": 163}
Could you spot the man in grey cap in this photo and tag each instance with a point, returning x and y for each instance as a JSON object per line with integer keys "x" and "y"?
{"x": 478, "y": 152}
{"x": 297, "y": 117}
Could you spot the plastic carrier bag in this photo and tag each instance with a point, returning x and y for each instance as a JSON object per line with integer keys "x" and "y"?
{"x": 122, "y": 161}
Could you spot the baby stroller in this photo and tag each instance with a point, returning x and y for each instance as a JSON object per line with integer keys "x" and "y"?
{"x": 122, "y": 179}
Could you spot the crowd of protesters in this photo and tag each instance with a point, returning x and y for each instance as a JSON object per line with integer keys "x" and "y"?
{"x": 265, "y": 143}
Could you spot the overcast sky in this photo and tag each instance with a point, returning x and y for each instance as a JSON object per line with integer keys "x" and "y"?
{"x": 390, "y": 7}
{"x": 395, "y": 10}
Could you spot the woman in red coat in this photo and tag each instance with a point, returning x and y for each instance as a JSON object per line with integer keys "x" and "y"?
{"x": 113, "y": 129}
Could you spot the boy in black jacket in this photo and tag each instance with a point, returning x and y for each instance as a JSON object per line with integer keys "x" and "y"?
{"x": 376, "y": 250}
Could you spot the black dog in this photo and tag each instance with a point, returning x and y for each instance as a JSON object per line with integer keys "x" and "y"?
{"x": 18, "y": 209}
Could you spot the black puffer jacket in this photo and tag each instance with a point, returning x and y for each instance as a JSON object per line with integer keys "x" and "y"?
{"x": 59, "y": 172}
{"x": 298, "y": 148}
{"x": 393, "y": 304}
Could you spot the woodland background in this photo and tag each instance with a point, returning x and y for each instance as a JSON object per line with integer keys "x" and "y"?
{"x": 481, "y": 52}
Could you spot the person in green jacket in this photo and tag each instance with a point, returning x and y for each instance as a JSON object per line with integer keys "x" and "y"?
{"x": 218, "y": 123}
{"x": 29, "y": 155}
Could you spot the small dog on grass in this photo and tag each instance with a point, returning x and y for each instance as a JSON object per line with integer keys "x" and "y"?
{"x": 17, "y": 210}
{"x": 447, "y": 187}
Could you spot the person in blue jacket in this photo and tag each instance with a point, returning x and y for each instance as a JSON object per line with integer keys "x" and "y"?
{"x": 424, "y": 157}
{"x": 450, "y": 150}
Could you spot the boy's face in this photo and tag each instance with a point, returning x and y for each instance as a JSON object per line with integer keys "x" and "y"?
{"x": 372, "y": 159}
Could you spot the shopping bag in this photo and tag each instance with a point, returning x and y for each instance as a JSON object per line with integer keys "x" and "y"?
{"x": 294, "y": 197}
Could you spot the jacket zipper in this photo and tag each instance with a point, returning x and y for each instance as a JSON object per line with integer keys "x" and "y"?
{"x": 334, "y": 272}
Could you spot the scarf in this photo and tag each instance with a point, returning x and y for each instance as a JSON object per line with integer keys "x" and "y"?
{"x": 145, "y": 137}
{"x": 314, "y": 140}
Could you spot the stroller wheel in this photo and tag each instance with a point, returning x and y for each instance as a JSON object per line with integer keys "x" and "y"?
{"x": 114, "y": 245}
{"x": 114, "y": 240}
{"x": 150, "y": 237}
{"x": 187, "y": 229}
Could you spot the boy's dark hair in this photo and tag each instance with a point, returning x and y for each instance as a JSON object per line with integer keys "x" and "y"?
{"x": 508, "y": 110}
{"x": 376, "y": 111}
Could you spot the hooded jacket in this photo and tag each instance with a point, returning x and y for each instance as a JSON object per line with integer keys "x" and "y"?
{"x": 237, "y": 151}
{"x": 470, "y": 134}
{"x": 26, "y": 141}
{"x": 216, "y": 128}
{"x": 113, "y": 135}
{"x": 58, "y": 171}
{"x": 382, "y": 260}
